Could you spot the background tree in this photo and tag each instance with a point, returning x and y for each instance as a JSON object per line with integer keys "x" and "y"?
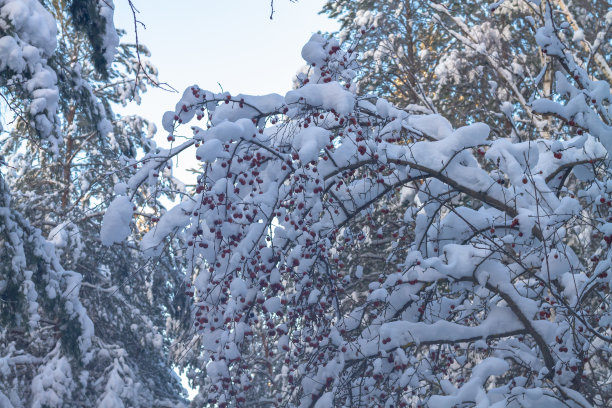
{"x": 464, "y": 59}
{"x": 65, "y": 153}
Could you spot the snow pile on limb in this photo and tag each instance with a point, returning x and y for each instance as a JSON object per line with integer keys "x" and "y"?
{"x": 27, "y": 41}
{"x": 116, "y": 222}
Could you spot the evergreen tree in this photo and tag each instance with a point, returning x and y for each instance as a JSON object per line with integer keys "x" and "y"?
{"x": 66, "y": 154}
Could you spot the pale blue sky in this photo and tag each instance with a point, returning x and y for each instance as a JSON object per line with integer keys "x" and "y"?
{"x": 231, "y": 42}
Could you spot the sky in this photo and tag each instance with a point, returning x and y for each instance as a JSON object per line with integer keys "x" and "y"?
{"x": 231, "y": 44}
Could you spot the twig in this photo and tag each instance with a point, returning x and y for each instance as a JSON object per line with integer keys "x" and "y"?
{"x": 162, "y": 85}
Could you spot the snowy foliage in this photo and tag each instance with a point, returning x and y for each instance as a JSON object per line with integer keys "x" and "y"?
{"x": 28, "y": 40}
{"x": 52, "y": 310}
{"x": 494, "y": 290}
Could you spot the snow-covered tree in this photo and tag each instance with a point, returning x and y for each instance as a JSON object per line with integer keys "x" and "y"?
{"x": 469, "y": 60}
{"x": 82, "y": 325}
{"x": 494, "y": 292}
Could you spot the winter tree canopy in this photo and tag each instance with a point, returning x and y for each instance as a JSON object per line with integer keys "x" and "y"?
{"x": 486, "y": 281}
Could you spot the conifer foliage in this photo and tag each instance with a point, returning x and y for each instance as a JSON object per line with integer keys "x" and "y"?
{"x": 80, "y": 325}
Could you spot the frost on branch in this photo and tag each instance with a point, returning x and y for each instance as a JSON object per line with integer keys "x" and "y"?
{"x": 481, "y": 299}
